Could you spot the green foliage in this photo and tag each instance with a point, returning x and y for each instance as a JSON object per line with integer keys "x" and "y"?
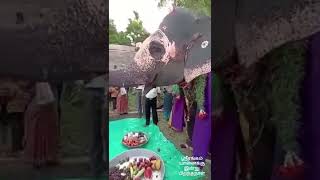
{"x": 200, "y": 84}
{"x": 176, "y": 89}
{"x": 135, "y": 29}
{"x": 116, "y": 37}
{"x": 286, "y": 77}
{"x": 198, "y": 6}
{"x": 134, "y": 33}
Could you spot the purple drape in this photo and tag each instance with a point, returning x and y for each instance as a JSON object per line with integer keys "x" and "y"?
{"x": 311, "y": 111}
{"x": 178, "y": 114}
{"x": 201, "y": 137}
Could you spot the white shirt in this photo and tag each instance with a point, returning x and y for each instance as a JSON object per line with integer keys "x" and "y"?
{"x": 123, "y": 91}
{"x": 140, "y": 88}
{"x": 152, "y": 93}
{"x": 158, "y": 90}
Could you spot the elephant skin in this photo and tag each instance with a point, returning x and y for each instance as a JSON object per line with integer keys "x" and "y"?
{"x": 180, "y": 50}
{"x": 254, "y": 27}
{"x": 54, "y": 40}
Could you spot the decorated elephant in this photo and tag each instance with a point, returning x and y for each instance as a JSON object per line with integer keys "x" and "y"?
{"x": 268, "y": 53}
{"x": 179, "y": 52}
{"x": 64, "y": 40}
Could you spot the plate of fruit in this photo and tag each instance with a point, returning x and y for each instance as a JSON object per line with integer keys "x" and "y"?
{"x": 135, "y": 139}
{"x": 137, "y": 164}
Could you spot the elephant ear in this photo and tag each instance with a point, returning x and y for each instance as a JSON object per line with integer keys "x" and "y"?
{"x": 198, "y": 56}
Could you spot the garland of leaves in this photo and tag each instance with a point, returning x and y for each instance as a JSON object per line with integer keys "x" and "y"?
{"x": 176, "y": 89}
{"x": 200, "y": 84}
{"x": 274, "y": 99}
{"x": 288, "y": 65}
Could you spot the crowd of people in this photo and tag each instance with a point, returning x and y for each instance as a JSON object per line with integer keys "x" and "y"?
{"x": 119, "y": 99}
{"x": 29, "y": 111}
{"x": 182, "y": 109}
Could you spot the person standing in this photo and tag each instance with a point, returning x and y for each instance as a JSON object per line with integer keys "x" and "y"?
{"x": 139, "y": 96}
{"x": 114, "y": 94}
{"x": 151, "y": 104}
{"x": 16, "y": 107}
{"x": 167, "y": 102}
{"x": 178, "y": 111}
{"x": 96, "y": 90}
{"x": 41, "y": 127}
{"x": 122, "y": 101}
{"x": 190, "y": 93}
{"x": 201, "y": 137}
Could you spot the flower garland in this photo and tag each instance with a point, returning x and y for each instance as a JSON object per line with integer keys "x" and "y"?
{"x": 200, "y": 84}
{"x": 288, "y": 66}
{"x": 176, "y": 89}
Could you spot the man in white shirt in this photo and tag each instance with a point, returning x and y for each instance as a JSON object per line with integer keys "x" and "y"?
{"x": 151, "y": 103}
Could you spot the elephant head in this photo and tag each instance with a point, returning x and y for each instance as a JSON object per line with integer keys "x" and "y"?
{"x": 179, "y": 50}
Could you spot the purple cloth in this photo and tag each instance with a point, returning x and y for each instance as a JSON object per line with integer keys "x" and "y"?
{"x": 225, "y": 146}
{"x": 178, "y": 114}
{"x": 310, "y": 122}
{"x": 311, "y": 111}
{"x": 201, "y": 137}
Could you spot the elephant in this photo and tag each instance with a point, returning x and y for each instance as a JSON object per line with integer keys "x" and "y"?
{"x": 180, "y": 50}
{"x": 253, "y": 40}
{"x": 60, "y": 40}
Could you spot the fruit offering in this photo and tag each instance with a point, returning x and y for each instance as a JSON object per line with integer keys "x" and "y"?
{"x": 137, "y": 168}
{"x": 134, "y": 139}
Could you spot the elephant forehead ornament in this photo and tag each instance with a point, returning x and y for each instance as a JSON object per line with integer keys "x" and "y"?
{"x": 181, "y": 37}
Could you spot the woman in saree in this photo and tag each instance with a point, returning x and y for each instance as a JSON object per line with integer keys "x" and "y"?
{"x": 201, "y": 137}
{"x": 178, "y": 110}
{"x": 167, "y": 103}
{"x": 122, "y": 102}
{"x": 41, "y": 127}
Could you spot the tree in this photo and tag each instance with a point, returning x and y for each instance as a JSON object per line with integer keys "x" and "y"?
{"x": 198, "y": 6}
{"x": 135, "y": 29}
{"x": 116, "y": 37}
{"x": 112, "y": 32}
{"x": 134, "y": 33}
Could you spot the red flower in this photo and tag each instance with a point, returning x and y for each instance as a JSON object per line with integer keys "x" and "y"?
{"x": 291, "y": 171}
{"x": 202, "y": 115}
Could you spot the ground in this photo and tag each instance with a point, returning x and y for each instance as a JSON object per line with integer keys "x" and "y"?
{"x": 174, "y": 137}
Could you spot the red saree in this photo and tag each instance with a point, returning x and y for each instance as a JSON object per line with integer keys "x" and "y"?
{"x": 122, "y": 104}
{"x": 41, "y": 127}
